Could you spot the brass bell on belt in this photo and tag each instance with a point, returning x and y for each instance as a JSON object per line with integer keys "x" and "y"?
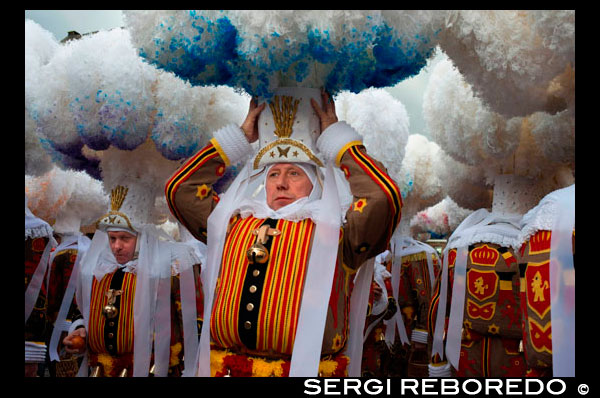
{"x": 257, "y": 254}
{"x": 110, "y": 311}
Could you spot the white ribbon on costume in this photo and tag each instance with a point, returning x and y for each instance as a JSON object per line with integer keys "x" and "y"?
{"x": 562, "y": 285}
{"x": 438, "y": 332}
{"x": 308, "y": 341}
{"x": 67, "y": 242}
{"x": 216, "y": 231}
{"x": 457, "y": 307}
{"x": 143, "y": 310}
{"x": 187, "y": 286}
{"x": 380, "y": 306}
{"x": 359, "y": 300}
{"x": 162, "y": 317}
{"x": 35, "y": 284}
{"x": 83, "y": 291}
{"x": 154, "y": 266}
{"x": 83, "y": 243}
{"x": 397, "y": 321}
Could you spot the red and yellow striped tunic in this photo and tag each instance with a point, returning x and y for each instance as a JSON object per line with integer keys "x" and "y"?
{"x": 268, "y": 328}
{"x": 121, "y": 326}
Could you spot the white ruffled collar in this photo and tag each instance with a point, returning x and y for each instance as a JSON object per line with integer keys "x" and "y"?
{"x": 543, "y": 216}
{"x": 108, "y": 264}
{"x": 299, "y": 210}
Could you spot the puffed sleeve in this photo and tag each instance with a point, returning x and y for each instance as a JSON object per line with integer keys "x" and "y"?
{"x": 189, "y": 191}
{"x": 377, "y": 203}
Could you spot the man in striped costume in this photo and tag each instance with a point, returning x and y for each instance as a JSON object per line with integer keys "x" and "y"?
{"x": 138, "y": 295}
{"x": 261, "y": 265}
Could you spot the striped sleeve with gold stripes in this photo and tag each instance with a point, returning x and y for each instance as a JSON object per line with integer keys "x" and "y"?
{"x": 189, "y": 192}
{"x": 376, "y": 208}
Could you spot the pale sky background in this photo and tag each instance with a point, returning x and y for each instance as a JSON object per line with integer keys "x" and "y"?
{"x": 60, "y": 22}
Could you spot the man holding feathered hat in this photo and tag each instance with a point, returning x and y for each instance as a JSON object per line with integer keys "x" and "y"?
{"x": 287, "y": 237}
{"x": 139, "y": 294}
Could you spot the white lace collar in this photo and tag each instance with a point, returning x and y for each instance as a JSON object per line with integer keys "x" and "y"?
{"x": 108, "y": 264}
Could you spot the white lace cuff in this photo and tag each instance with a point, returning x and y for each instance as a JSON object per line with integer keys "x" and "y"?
{"x": 420, "y": 336}
{"x": 440, "y": 370}
{"x": 335, "y": 139}
{"x": 232, "y": 145}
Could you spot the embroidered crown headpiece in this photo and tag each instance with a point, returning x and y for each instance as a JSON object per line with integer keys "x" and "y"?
{"x": 288, "y": 128}
{"x": 116, "y": 218}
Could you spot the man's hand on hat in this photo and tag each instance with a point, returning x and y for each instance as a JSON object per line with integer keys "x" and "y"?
{"x": 250, "y": 125}
{"x": 326, "y": 114}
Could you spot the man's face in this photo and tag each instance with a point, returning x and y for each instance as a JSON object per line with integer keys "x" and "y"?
{"x": 285, "y": 184}
{"x": 122, "y": 244}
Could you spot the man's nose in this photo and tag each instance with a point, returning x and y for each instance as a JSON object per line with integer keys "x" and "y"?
{"x": 282, "y": 182}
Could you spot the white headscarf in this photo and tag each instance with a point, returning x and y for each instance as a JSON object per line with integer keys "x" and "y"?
{"x": 255, "y": 200}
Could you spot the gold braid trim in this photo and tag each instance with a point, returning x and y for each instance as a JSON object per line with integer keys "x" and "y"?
{"x": 117, "y": 197}
{"x": 115, "y": 213}
{"x": 415, "y": 257}
{"x": 286, "y": 141}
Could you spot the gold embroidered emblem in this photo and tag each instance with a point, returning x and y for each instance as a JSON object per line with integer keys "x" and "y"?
{"x": 537, "y": 276}
{"x": 493, "y": 329}
{"x": 538, "y": 285}
{"x": 360, "y": 204}
{"x": 203, "y": 191}
{"x": 479, "y": 287}
{"x": 283, "y": 152}
{"x": 482, "y": 284}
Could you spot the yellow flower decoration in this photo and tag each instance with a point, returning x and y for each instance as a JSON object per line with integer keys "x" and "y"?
{"x": 494, "y": 329}
{"x": 337, "y": 342}
{"x": 360, "y": 204}
{"x": 203, "y": 191}
{"x": 107, "y": 362}
{"x": 216, "y": 361}
{"x": 327, "y": 368}
{"x": 262, "y": 368}
{"x": 175, "y": 350}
